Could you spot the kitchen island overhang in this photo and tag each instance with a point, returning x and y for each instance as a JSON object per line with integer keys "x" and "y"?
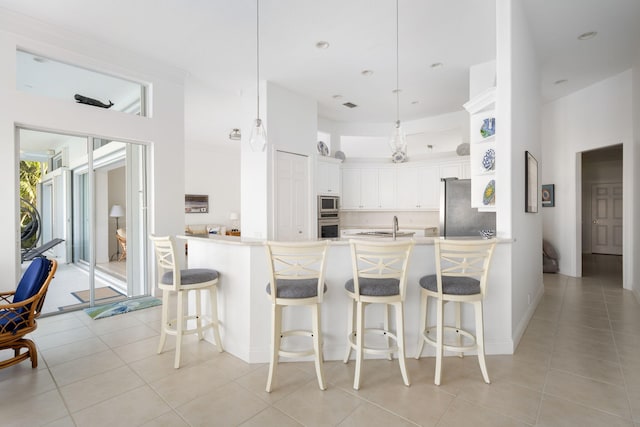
{"x": 244, "y": 308}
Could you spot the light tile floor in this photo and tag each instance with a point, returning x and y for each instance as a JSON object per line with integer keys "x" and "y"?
{"x": 577, "y": 365}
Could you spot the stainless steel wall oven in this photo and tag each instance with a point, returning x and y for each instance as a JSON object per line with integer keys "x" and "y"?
{"x": 328, "y": 217}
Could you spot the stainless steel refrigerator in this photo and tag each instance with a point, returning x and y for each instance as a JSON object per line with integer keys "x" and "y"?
{"x": 457, "y": 217}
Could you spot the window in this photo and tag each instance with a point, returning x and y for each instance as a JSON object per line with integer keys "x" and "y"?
{"x": 47, "y": 77}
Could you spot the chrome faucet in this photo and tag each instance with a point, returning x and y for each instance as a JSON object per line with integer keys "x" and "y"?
{"x": 395, "y": 227}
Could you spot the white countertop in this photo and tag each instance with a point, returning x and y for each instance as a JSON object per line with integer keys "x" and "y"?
{"x": 247, "y": 241}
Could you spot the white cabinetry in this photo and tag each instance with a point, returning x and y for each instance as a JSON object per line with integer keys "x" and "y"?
{"x": 328, "y": 177}
{"x": 387, "y": 188}
{"x": 458, "y": 168}
{"x": 368, "y": 188}
{"x": 483, "y": 158}
{"x": 418, "y": 187}
{"x": 406, "y": 186}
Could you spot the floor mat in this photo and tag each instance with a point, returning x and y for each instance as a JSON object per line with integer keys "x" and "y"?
{"x": 105, "y": 292}
{"x": 108, "y": 310}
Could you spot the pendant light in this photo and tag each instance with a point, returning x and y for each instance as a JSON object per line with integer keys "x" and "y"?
{"x": 398, "y": 141}
{"x": 258, "y": 139}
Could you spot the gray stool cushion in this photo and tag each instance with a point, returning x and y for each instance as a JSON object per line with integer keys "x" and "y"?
{"x": 191, "y": 276}
{"x": 375, "y": 287}
{"x": 451, "y": 285}
{"x": 296, "y": 288}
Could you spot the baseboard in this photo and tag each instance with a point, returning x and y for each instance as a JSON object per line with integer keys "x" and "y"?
{"x": 522, "y": 326}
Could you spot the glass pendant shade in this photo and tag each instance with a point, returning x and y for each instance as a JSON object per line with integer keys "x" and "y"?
{"x": 398, "y": 141}
{"x": 258, "y": 140}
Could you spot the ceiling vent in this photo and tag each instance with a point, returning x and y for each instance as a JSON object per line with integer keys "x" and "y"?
{"x": 350, "y": 105}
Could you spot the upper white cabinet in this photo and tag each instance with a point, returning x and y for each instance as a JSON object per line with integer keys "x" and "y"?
{"x": 406, "y": 186}
{"x": 484, "y": 158}
{"x": 328, "y": 178}
{"x": 418, "y": 187}
{"x": 368, "y": 188}
{"x": 458, "y": 168}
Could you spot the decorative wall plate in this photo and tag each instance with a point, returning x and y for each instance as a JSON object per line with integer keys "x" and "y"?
{"x": 489, "y": 196}
{"x": 323, "y": 149}
{"x": 489, "y": 160}
{"x": 488, "y": 127}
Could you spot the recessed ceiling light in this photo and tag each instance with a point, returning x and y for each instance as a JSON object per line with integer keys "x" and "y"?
{"x": 337, "y": 96}
{"x": 366, "y": 72}
{"x": 587, "y": 35}
{"x": 560, "y": 82}
{"x": 39, "y": 59}
{"x": 396, "y": 91}
{"x": 322, "y": 45}
{"x": 437, "y": 65}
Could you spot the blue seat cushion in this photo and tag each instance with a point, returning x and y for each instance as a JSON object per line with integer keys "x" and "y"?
{"x": 375, "y": 287}
{"x": 10, "y": 321}
{"x": 451, "y": 285}
{"x": 296, "y": 288}
{"x": 32, "y": 279}
{"x": 191, "y": 276}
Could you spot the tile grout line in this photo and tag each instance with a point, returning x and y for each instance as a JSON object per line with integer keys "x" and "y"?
{"x": 553, "y": 345}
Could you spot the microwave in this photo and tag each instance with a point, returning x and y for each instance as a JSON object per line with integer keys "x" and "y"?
{"x": 328, "y": 206}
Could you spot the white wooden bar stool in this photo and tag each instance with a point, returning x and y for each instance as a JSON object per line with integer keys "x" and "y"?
{"x": 379, "y": 277}
{"x": 462, "y": 267}
{"x": 172, "y": 279}
{"x": 296, "y": 277}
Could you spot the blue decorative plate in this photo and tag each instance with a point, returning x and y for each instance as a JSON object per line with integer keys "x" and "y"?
{"x": 489, "y": 196}
{"x": 489, "y": 160}
{"x": 323, "y": 149}
{"x": 488, "y": 127}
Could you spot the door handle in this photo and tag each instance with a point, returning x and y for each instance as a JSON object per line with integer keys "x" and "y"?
{"x": 595, "y": 221}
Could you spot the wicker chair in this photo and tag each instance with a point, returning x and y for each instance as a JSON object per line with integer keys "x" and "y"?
{"x": 121, "y": 236}
{"x": 20, "y": 308}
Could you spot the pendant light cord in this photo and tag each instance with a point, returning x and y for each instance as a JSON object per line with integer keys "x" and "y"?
{"x": 397, "y": 68}
{"x": 258, "y": 57}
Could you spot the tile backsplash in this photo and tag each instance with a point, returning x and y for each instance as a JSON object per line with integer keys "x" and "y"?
{"x": 377, "y": 219}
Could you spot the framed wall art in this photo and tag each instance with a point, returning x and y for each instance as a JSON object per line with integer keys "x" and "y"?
{"x": 530, "y": 183}
{"x": 196, "y": 203}
{"x": 548, "y": 196}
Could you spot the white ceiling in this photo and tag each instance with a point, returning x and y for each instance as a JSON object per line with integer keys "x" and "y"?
{"x": 214, "y": 41}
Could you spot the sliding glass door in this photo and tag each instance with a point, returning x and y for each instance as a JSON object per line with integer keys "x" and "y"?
{"x": 92, "y": 195}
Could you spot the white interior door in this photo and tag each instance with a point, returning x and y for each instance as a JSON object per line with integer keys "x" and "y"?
{"x": 292, "y": 197}
{"x": 606, "y": 218}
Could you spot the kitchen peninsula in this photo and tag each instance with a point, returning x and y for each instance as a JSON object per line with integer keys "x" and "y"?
{"x": 244, "y": 309}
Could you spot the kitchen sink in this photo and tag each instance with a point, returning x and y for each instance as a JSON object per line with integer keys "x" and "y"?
{"x": 386, "y": 233}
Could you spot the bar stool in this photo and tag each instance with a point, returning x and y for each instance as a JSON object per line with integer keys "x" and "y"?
{"x": 296, "y": 277}
{"x": 462, "y": 267}
{"x": 379, "y": 277}
{"x": 172, "y": 279}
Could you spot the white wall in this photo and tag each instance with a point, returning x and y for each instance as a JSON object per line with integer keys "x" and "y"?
{"x": 291, "y": 122}
{"x": 445, "y": 132}
{"x": 517, "y": 118}
{"x": 213, "y": 171}
{"x": 594, "y": 117}
{"x": 163, "y": 131}
{"x": 633, "y": 253}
